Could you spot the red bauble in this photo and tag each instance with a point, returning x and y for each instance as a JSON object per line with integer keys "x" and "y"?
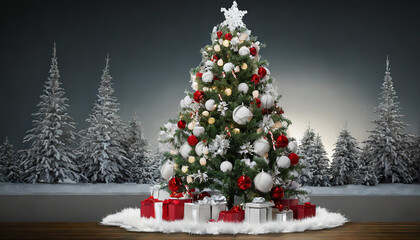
{"x": 277, "y": 193}
{"x": 255, "y": 79}
{"x": 294, "y": 159}
{"x": 219, "y": 34}
{"x": 199, "y": 75}
{"x": 253, "y": 51}
{"x": 262, "y": 72}
{"x": 192, "y": 140}
{"x": 244, "y": 182}
{"x": 282, "y": 141}
{"x": 182, "y": 124}
{"x": 174, "y": 184}
{"x": 228, "y": 36}
{"x": 198, "y": 96}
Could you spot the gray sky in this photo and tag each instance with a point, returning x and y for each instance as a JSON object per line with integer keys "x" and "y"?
{"x": 328, "y": 57}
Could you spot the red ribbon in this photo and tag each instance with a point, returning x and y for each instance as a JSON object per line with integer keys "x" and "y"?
{"x": 149, "y": 204}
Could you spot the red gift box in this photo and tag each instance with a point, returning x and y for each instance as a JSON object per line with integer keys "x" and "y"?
{"x": 236, "y": 214}
{"x": 289, "y": 203}
{"x": 299, "y": 212}
{"x": 173, "y": 209}
{"x": 310, "y": 209}
{"x": 147, "y": 207}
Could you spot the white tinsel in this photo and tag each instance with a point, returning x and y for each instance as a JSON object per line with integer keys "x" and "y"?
{"x": 266, "y": 123}
{"x": 202, "y": 176}
{"x": 248, "y": 162}
{"x": 219, "y": 146}
{"x": 222, "y": 108}
{"x": 246, "y": 148}
{"x": 233, "y": 17}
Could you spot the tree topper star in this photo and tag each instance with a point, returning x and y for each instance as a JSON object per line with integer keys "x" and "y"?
{"x": 233, "y": 17}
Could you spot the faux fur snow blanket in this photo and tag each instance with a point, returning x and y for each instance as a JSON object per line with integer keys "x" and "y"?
{"x": 130, "y": 219}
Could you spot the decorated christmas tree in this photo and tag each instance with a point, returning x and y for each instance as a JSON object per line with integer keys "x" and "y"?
{"x": 231, "y": 131}
{"x": 344, "y": 159}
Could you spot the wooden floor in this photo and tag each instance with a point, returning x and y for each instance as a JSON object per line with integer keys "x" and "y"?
{"x": 94, "y": 231}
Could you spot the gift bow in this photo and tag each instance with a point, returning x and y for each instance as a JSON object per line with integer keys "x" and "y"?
{"x": 176, "y": 195}
{"x": 258, "y": 200}
{"x": 236, "y": 209}
{"x": 308, "y": 204}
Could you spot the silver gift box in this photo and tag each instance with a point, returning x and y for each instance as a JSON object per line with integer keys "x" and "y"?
{"x": 216, "y": 208}
{"x": 197, "y": 212}
{"x": 256, "y": 213}
{"x": 285, "y": 215}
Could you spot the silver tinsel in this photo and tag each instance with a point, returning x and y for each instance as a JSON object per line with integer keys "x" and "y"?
{"x": 222, "y": 108}
{"x": 266, "y": 123}
{"x": 246, "y": 148}
{"x": 219, "y": 145}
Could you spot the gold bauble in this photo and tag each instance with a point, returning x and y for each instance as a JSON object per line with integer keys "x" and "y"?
{"x": 184, "y": 169}
{"x": 211, "y": 120}
{"x": 217, "y": 48}
{"x": 191, "y": 159}
{"x": 189, "y": 179}
{"x": 228, "y": 91}
{"x": 266, "y": 155}
{"x": 203, "y": 161}
{"x": 175, "y": 165}
{"x": 220, "y": 62}
{"x": 214, "y": 87}
{"x": 244, "y": 66}
{"x": 226, "y": 43}
{"x": 236, "y": 130}
{"x": 276, "y": 125}
{"x": 205, "y": 113}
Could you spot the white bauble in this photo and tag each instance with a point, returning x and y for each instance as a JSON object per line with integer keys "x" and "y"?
{"x": 188, "y": 101}
{"x": 198, "y": 130}
{"x": 263, "y": 182}
{"x": 243, "y": 87}
{"x": 243, "y": 51}
{"x": 255, "y": 93}
{"x": 242, "y": 115}
{"x": 217, "y": 48}
{"x": 189, "y": 179}
{"x": 207, "y": 77}
{"x": 194, "y": 86}
{"x": 203, "y": 161}
{"x": 191, "y": 125}
{"x": 200, "y": 148}
{"x": 220, "y": 62}
{"x": 267, "y": 101}
{"x": 208, "y": 63}
{"x": 185, "y": 150}
{"x": 283, "y": 162}
{"x": 292, "y": 146}
{"x": 182, "y": 103}
{"x": 184, "y": 169}
{"x": 167, "y": 170}
{"x": 237, "y": 69}
{"x": 226, "y": 43}
{"x": 210, "y": 105}
{"x": 227, "y": 68}
{"x": 205, "y": 113}
{"x": 261, "y": 147}
{"x": 226, "y": 166}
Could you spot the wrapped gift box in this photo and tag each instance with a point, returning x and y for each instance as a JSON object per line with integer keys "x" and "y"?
{"x": 158, "y": 193}
{"x": 173, "y": 209}
{"x": 236, "y": 214}
{"x": 299, "y": 212}
{"x": 304, "y": 211}
{"x": 310, "y": 209}
{"x": 197, "y": 212}
{"x": 148, "y": 207}
{"x": 289, "y": 203}
{"x": 218, "y": 204}
{"x": 258, "y": 211}
{"x": 282, "y": 216}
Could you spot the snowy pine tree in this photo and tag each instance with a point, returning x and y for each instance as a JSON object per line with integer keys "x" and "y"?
{"x": 9, "y": 165}
{"x": 137, "y": 152}
{"x": 156, "y": 160}
{"x": 50, "y": 158}
{"x": 388, "y": 144}
{"x": 318, "y": 163}
{"x": 303, "y": 152}
{"x": 345, "y": 157}
{"x": 365, "y": 174}
{"x": 415, "y": 155}
{"x": 102, "y": 156}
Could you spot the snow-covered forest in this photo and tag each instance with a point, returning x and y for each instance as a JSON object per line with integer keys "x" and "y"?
{"x": 109, "y": 150}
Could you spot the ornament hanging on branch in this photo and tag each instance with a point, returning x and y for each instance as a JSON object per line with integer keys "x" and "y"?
{"x": 174, "y": 184}
{"x": 192, "y": 140}
{"x": 182, "y": 124}
{"x": 226, "y": 166}
{"x": 242, "y": 115}
{"x": 282, "y": 141}
{"x": 198, "y": 96}
{"x": 244, "y": 182}
{"x": 277, "y": 193}
{"x": 263, "y": 182}
{"x": 167, "y": 170}
{"x": 294, "y": 159}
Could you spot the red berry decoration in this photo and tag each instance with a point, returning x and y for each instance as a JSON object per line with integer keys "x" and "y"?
{"x": 198, "y": 96}
{"x": 294, "y": 159}
{"x": 192, "y": 140}
{"x": 279, "y": 206}
{"x": 253, "y": 51}
{"x": 277, "y": 193}
{"x": 174, "y": 184}
{"x": 182, "y": 124}
{"x": 262, "y": 72}
{"x": 255, "y": 79}
{"x": 228, "y": 36}
{"x": 282, "y": 141}
{"x": 199, "y": 75}
{"x": 258, "y": 102}
{"x": 244, "y": 182}
{"x": 219, "y": 34}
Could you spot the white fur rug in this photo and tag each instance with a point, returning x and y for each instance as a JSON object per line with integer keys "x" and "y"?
{"x": 130, "y": 219}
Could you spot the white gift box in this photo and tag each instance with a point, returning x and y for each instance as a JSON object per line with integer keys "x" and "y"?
{"x": 216, "y": 208}
{"x": 258, "y": 212}
{"x": 158, "y": 210}
{"x": 285, "y": 215}
{"x": 197, "y": 212}
{"x": 158, "y": 193}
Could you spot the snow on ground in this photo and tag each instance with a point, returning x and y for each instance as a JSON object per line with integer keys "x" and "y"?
{"x": 144, "y": 189}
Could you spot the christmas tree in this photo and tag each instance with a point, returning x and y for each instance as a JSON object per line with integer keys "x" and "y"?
{"x": 231, "y": 132}
{"x": 305, "y": 146}
{"x": 101, "y": 153}
{"x": 9, "y": 165}
{"x": 415, "y": 155}
{"x": 365, "y": 174}
{"x": 345, "y": 157}
{"x": 137, "y": 152}
{"x": 388, "y": 144}
{"x": 317, "y": 164}
{"x": 50, "y": 158}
